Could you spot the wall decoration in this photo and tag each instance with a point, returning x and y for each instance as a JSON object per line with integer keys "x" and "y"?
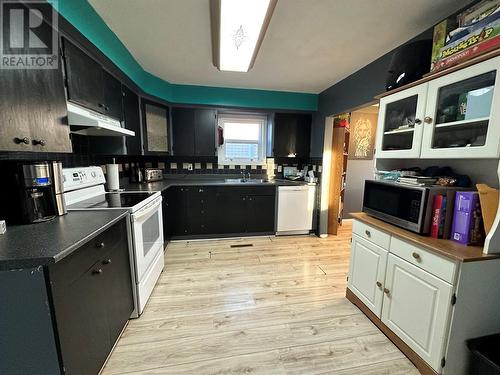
{"x": 362, "y": 140}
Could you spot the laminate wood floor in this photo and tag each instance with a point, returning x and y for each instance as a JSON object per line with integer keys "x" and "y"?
{"x": 276, "y": 307}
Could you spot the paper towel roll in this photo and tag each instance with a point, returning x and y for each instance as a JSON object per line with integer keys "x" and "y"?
{"x": 112, "y": 176}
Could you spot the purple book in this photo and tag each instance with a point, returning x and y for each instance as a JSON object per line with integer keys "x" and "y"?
{"x": 467, "y": 220}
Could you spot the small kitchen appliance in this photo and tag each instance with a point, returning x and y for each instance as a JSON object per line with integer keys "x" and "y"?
{"x": 406, "y": 206}
{"x": 84, "y": 190}
{"x": 32, "y": 192}
{"x": 153, "y": 174}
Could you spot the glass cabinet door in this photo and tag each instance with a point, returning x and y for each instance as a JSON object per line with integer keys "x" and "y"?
{"x": 400, "y": 123}
{"x": 156, "y": 128}
{"x": 460, "y": 115}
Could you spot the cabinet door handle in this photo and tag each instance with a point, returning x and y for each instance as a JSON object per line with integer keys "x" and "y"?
{"x": 100, "y": 245}
{"x": 416, "y": 256}
{"x": 418, "y": 121}
{"x": 40, "y": 142}
{"x": 368, "y": 234}
{"x": 107, "y": 261}
{"x": 387, "y": 291}
{"x": 200, "y": 191}
{"x": 97, "y": 272}
{"x": 379, "y": 284}
{"x": 428, "y": 120}
{"x": 24, "y": 140}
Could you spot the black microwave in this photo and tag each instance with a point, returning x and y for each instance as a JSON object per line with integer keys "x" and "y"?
{"x": 407, "y": 206}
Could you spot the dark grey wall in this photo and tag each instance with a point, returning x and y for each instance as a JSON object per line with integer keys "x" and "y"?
{"x": 354, "y": 91}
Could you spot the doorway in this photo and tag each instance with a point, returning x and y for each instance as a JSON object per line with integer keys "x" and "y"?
{"x": 348, "y": 160}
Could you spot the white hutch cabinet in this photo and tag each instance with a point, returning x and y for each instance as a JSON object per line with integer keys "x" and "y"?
{"x": 454, "y": 116}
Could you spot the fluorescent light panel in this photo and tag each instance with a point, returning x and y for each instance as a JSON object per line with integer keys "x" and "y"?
{"x": 241, "y": 25}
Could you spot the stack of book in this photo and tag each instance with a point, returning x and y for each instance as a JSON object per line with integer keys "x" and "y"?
{"x": 441, "y": 217}
{"x": 417, "y": 180}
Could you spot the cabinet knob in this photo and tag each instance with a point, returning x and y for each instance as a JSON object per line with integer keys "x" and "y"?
{"x": 418, "y": 121}
{"x": 387, "y": 291}
{"x": 107, "y": 261}
{"x": 97, "y": 272}
{"x": 100, "y": 245}
{"x": 368, "y": 234}
{"x": 428, "y": 120}
{"x": 40, "y": 142}
{"x": 379, "y": 284}
{"x": 200, "y": 191}
{"x": 416, "y": 256}
{"x": 24, "y": 140}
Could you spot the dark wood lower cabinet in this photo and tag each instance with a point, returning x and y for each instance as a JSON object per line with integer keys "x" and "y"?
{"x": 260, "y": 213}
{"x": 217, "y": 211}
{"x": 230, "y": 216}
{"x": 82, "y": 323}
{"x": 65, "y": 318}
{"x": 92, "y": 308}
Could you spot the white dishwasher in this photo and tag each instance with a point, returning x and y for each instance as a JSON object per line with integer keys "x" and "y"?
{"x": 295, "y": 209}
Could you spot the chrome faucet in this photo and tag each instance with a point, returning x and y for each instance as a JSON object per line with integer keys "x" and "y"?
{"x": 244, "y": 177}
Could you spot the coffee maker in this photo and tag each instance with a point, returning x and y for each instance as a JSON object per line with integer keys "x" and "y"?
{"x": 32, "y": 192}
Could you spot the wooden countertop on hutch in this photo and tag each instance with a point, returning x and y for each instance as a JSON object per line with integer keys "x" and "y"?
{"x": 447, "y": 248}
{"x": 433, "y": 75}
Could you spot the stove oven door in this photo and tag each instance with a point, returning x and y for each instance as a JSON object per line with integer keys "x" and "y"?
{"x": 147, "y": 228}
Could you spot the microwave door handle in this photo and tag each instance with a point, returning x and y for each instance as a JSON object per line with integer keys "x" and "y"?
{"x": 140, "y": 214}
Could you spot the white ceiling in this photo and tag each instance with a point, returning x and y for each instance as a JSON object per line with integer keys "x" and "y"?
{"x": 309, "y": 45}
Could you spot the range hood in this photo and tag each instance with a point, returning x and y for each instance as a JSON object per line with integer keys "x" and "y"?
{"x": 87, "y": 122}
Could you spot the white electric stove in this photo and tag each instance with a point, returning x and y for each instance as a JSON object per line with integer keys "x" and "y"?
{"x": 84, "y": 190}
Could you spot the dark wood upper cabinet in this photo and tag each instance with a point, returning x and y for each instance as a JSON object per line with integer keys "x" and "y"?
{"x": 292, "y": 134}
{"x": 132, "y": 120}
{"x": 84, "y": 78}
{"x": 183, "y": 123}
{"x": 112, "y": 96}
{"x": 204, "y": 132}
{"x": 33, "y": 113}
{"x": 156, "y": 129}
{"x": 193, "y": 131}
{"x": 89, "y": 85}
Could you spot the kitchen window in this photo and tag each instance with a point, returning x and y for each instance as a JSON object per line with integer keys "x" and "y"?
{"x": 244, "y": 140}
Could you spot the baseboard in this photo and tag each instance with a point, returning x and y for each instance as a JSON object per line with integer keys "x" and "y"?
{"x": 236, "y": 236}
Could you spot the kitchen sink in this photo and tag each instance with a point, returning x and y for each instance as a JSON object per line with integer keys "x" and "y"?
{"x": 246, "y": 180}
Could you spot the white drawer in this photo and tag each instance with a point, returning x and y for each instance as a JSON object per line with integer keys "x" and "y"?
{"x": 436, "y": 265}
{"x": 371, "y": 234}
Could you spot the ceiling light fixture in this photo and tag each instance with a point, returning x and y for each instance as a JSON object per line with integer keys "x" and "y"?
{"x": 238, "y": 28}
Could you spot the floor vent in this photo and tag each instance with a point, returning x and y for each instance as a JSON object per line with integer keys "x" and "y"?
{"x": 242, "y": 245}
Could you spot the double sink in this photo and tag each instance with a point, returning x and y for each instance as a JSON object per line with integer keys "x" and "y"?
{"x": 246, "y": 180}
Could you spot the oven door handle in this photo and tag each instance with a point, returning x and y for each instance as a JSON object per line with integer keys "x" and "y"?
{"x": 146, "y": 210}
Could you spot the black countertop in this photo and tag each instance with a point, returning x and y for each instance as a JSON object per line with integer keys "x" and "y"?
{"x": 27, "y": 246}
{"x": 190, "y": 180}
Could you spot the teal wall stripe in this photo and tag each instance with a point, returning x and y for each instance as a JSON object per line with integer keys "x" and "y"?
{"x": 244, "y": 97}
{"x": 81, "y": 15}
